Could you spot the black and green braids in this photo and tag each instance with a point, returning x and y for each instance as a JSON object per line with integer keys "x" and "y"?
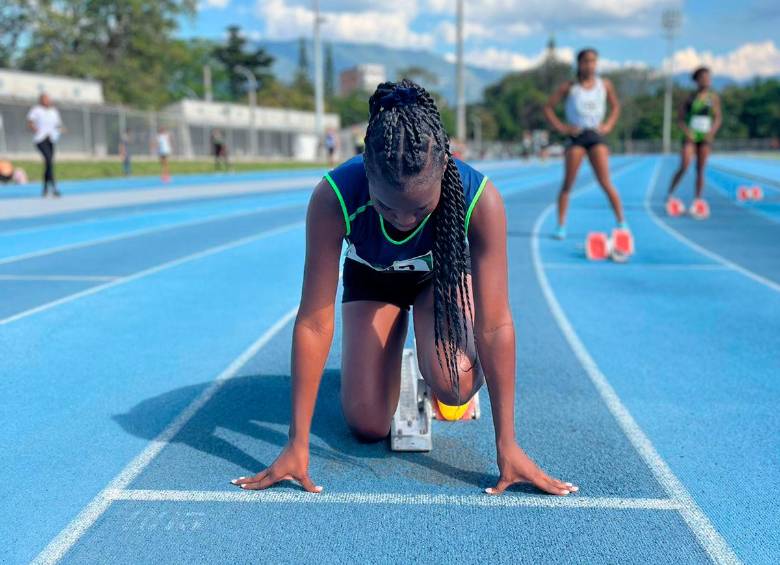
{"x": 405, "y": 135}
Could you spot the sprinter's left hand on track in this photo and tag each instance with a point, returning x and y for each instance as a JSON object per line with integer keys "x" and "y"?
{"x": 516, "y": 467}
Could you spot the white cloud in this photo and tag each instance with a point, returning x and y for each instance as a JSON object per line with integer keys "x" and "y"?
{"x": 749, "y": 60}
{"x": 507, "y": 19}
{"x": 504, "y": 59}
{"x": 347, "y": 20}
{"x": 214, "y": 4}
{"x": 508, "y": 60}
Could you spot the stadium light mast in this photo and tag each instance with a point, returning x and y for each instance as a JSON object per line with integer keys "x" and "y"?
{"x": 670, "y": 22}
{"x": 460, "y": 129}
{"x": 319, "y": 103}
{"x": 252, "y": 82}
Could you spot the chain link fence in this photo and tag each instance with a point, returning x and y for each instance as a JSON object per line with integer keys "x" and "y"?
{"x": 96, "y": 131}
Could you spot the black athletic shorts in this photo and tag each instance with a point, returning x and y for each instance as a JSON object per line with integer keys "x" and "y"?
{"x": 361, "y": 282}
{"x": 587, "y": 138}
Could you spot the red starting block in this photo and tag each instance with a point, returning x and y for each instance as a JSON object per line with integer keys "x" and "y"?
{"x": 700, "y": 210}
{"x": 756, "y": 193}
{"x": 597, "y": 246}
{"x": 621, "y": 245}
{"x": 675, "y": 207}
{"x": 743, "y": 193}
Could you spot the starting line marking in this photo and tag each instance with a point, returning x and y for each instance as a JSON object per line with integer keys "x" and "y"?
{"x": 698, "y": 522}
{"x": 287, "y": 497}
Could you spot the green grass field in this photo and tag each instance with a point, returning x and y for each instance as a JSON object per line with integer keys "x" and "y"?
{"x": 72, "y": 170}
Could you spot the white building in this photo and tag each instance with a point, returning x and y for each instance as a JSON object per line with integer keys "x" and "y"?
{"x": 93, "y": 128}
{"x": 21, "y": 85}
{"x": 364, "y": 78}
{"x": 280, "y": 132}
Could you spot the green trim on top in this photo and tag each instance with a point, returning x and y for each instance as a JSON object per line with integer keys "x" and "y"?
{"x": 474, "y": 202}
{"x": 408, "y": 237}
{"x": 341, "y": 201}
{"x": 360, "y": 210}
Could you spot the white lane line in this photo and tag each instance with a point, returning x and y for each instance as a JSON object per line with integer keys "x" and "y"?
{"x": 56, "y": 278}
{"x": 775, "y": 185}
{"x": 36, "y": 207}
{"x": 175, "y": 207}
{"x": 150, "y": 271}
{"x": 508, "y": 500}
{"x": 651, "y": 266}
{"x": 145, "y": 231}
{"x": 709, "y": 538}
{"x": 695, "y": 246}
{"x": 57, "y": 548}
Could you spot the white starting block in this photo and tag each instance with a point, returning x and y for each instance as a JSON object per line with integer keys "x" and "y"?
{"x": 411, "y": 426}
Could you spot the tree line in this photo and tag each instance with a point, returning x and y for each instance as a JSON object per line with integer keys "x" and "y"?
{"x": 132, "y": 49}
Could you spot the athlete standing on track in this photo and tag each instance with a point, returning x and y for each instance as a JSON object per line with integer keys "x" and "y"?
{"x": 46, "y": 124}
{"x": 164, "y": 148}
{"x": 699, "y": 119}
{"x": 586, "y": 106}
{"x": 416, "y": 237}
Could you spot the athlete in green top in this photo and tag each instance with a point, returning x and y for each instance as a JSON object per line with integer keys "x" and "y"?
{"x": 699, "y": 119}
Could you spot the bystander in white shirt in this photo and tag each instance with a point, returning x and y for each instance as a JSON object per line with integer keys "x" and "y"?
{"x": 46, "y": 121}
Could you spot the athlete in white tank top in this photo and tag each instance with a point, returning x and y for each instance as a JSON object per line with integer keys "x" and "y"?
{"x": 586, "y": 107}
{"x": 586, "y": 124}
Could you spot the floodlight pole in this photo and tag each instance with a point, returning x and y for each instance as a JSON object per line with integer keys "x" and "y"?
{"x": 319, "y": 102}
{"x": 460, "y": 129}
{"x": 670, "y": 21}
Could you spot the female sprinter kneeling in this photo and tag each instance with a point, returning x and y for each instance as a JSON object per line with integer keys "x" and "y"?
{"x": 423, "y": 230}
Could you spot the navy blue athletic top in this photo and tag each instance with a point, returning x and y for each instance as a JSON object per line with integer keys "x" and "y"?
{"x": 368, "y": 240}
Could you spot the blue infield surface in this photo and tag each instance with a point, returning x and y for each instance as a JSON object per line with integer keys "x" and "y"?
{"x": 144, "y": 362}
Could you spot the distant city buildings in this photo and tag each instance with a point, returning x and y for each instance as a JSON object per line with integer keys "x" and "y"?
{"x": 364, "y": 78}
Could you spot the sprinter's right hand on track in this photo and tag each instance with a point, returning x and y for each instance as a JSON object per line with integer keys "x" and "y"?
{"x": 291, "y": 465}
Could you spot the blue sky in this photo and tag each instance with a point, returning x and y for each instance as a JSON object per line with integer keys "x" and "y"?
{"x": 739, "y": 38}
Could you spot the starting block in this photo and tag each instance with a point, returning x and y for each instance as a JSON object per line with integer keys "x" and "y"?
{"x": 745, "y": 193}
{"x": 700, "y": 210}
{"x": 621, "y": 245}
{"x": 410, "y": 429}
{"x": 597, "y": 246}
{"x": 675, "y": 207}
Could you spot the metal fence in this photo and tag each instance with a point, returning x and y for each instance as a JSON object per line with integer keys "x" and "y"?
{"x": 95, "y": 131}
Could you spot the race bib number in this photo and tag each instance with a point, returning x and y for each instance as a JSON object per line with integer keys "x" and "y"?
{"x": 701, "y": 124}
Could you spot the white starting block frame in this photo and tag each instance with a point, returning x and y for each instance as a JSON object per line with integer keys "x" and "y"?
{"x": 410, "y": 429}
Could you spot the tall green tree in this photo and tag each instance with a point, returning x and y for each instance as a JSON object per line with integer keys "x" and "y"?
{"x": 420, "y": 75}
{"x": 330, "y": 72}
{"x": 126, "y": 45}
{"x": 15, "y": 16}
{"x": 235, "y": 52}
{"x": 302, "y": 82}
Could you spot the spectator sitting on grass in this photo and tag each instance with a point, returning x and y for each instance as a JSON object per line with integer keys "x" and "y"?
{"x": 9, "y": 173}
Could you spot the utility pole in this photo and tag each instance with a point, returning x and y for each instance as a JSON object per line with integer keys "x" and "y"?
{"x": 207, "y": 92}
{"x": 319, "y": 102}
{"x": 252, "y": 80}
{"x": 670, "y": 22}
{"x": 459, "y": 78}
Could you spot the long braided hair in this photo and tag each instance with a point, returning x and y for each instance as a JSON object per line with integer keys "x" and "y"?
{"x": 405, "y": 136}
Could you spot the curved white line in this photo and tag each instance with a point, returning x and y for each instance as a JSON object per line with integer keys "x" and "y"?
{"x": 709, "y": 538}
